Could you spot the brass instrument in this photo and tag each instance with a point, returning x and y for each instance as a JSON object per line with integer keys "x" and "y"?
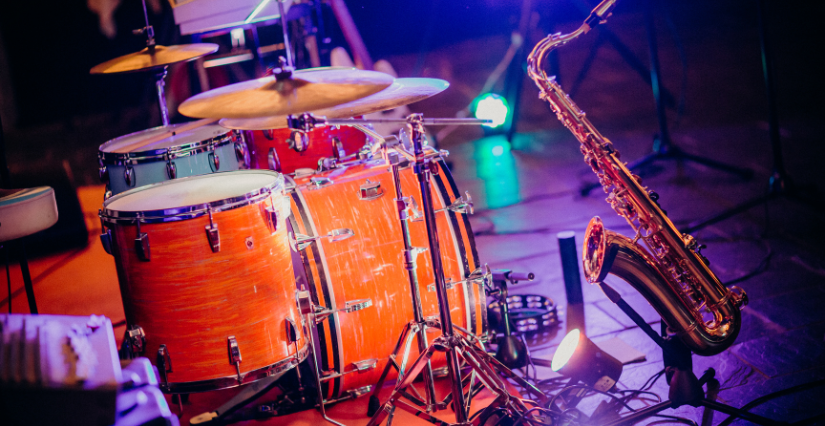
{"x": 671, "y": 273}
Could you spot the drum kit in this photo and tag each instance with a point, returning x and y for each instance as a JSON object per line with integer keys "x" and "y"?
{"x": 287, "y": 234}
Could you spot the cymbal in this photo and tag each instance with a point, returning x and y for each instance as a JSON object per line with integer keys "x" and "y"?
{"x": 403, "y": 91}
{"x": 306, "y": 90}
{"x": 159, "y": 57}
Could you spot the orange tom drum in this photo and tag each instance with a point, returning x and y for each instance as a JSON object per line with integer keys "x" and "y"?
{"x": 205, "y": 272}
{"x": 362, "y": 258}
{"x": 276, "y": 149}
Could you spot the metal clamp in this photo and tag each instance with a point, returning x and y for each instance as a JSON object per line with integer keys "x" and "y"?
{"x": 318, "y": 182}
{"x": 460, "y": 205}
{"x": 334, "y": 236}
{"x": 134, "y": 343}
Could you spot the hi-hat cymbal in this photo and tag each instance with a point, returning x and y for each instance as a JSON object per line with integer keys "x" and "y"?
{"x": 403, "y": 91}
{"x": 306, "y": 90}
{"x": 150, "y": 59}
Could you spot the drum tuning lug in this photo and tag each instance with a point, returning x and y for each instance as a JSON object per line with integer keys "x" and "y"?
{"x": 291, "y": 331}
{"x": 142, "y": 244}
{"x": 334, "y": 236}
{"x": 273, "y": 160}
{"x": 448, "y": 283}
{"x": 164, "y": 364}
{"x": 299, "y": 141}
{"x": 214, "y": 237}
{"x": 355, "y": 393}
{"x": 272, "y": 218}
{"x": 370, "y": 191}
{"x": 235, "y": 355}
{"x": 129, "y": 176}
{"x": 171, "y": 170}
{"x": 319, "y": 182}
{"x": 241, "y": 154}
{"x": 356, "y": 305}
{"x": 106, "y": 240}
{"x": 214, "y": 161}
{"x": 338, "y": 148}
{"x": 103, "y": 171}
{"x": 367, "y": 364}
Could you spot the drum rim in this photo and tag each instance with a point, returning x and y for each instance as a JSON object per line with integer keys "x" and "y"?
{"x": 193, "y": 210}
{"x": 168, "y": 153}
{"x": 228, "y": 382}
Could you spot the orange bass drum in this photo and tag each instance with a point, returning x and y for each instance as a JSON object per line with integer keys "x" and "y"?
{"x": 277, "y": 149}
{"x": 206, "y": 277}
{"x": 361, "y": 257}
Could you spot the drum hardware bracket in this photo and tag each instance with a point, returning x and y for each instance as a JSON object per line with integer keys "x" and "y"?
{"x": 235, "y": 355}
{"x": 463, "y": 205}
{"x": 318, "y": 182}
{"x": 358, "y": 367}
{"x": 321, "y": 313}
{"x": 134, "y": 343}
{"x": 171, "y": 168}
{"x": 214, "y": 161}
{"x": 449, "y": 284}
{"x": 370, "y": 191}
{"x": 212, "y": 233}
{"x": 105, "y": 234}
{"x": 335, "y": 235}
{"x": 141, "y": 242}
{"x": 272, "y": 218}
{"x": 298, "y": 141}
{"x": 409, "y": 210}
{"x": 273, "y": 160}
{"x": 164, "y": 364}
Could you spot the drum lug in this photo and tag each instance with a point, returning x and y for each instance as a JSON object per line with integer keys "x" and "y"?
{"x": 370, "y": 191}
{"x": 106, "y": 240}
{"x": 448, "y": 283}
{"x": 142, "y": 244}
{"x": 299, "y": 141}
{"x": 269, "y": 134}
{"x": 334, "y": 236}
{"x": 235, "y": 355}
{"x": 273, "y": 160}
{"x": 272, "y": 217}
{"x": 338, "y": 148}
{"x": 463, "y": 205}
{"x": 367, "y": 364}
{"x": 291, "y": 331}
{"x": 214, "y": 237}
{"x": 134, "y": 343}
{"x": 164, "y": 364}
{"x": 103, "y": 171}
{"x": 240, "y": 152}
{"x": 214, "y": 161}
{"x": 129, "y": 176}
{"x": 321, "y": 313}
{"x": 171, "y": 170}
{"x": 319, "y": 182}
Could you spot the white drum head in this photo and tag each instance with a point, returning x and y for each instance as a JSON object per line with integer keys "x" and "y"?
{"x": 212, "y": 189}
{"x": 198, "y": 134}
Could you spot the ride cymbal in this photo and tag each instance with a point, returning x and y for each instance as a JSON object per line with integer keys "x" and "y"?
{"x": 403, "y": 91}
{"x": 305, "y": 90}
{"x": 154, "y": 58}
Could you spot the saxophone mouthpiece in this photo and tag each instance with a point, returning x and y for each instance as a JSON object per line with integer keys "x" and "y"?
{"x": 600, "y": 13}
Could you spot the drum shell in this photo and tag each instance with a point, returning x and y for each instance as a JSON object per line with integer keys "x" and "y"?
{"x": 150, "y": 167}
{"x": 370, "y": 265}
{"x": 191, "y": 299}
{"x": 321, "y": 145}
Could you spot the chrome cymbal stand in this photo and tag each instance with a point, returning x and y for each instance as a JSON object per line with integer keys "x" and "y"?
{"x": 160, "y": 74}
{"x": 455, "y": 346}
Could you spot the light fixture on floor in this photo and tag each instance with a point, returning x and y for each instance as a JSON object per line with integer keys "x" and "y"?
{"x": 491, "y": 106}
{"x": 580, "y": 359}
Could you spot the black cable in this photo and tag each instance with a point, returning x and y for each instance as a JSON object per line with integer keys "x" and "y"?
{"x": 760, "y": 268}
{"x": 772, "y": 395}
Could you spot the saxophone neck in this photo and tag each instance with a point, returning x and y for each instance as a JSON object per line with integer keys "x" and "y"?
{"x": 597, "y": 16}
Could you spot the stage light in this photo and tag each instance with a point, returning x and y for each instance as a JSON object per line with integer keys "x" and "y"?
{"x": 491, "y": 106}
{"x": 580, "y": 359}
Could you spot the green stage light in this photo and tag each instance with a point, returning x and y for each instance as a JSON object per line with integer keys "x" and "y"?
{"x": 491, "y": 106}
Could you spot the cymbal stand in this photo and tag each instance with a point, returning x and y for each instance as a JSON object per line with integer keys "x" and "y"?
{"x": 418, "y": 326}
{"x": 455, "y": 346}
{"x": 160, "y": 75}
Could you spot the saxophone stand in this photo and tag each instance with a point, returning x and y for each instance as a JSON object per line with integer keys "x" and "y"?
{"x": 685, "y": 387}
{"x": 663, "y": 146}
{"x": 455, "y": 346}
{"x": 780, "y": 184}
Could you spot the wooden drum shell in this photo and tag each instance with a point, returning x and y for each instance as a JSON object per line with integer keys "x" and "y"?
{"x": 321, "y": 145}
{"x": 370, "y": 265}
{"x": 191, "y": 299}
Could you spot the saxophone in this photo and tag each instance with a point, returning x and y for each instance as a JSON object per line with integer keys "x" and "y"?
{"x": 671, "y": 273}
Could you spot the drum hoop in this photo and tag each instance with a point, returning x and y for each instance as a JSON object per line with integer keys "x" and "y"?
{"x": 232, "y": 381}
{"x": 162, "y": 154}
{"x": 194, "y": 210}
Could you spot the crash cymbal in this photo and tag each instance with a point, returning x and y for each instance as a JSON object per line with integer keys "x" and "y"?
{"x": 403, "y": 91}
{"x": 150, "y": 59}
{"x": 305, "y": 90}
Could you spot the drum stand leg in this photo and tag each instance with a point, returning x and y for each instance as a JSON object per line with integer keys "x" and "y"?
{"x": 455, "y": 346}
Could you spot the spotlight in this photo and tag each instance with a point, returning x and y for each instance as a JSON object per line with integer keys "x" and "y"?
{"x": 580, "y": 359}
{"x": 491, "y": 106}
